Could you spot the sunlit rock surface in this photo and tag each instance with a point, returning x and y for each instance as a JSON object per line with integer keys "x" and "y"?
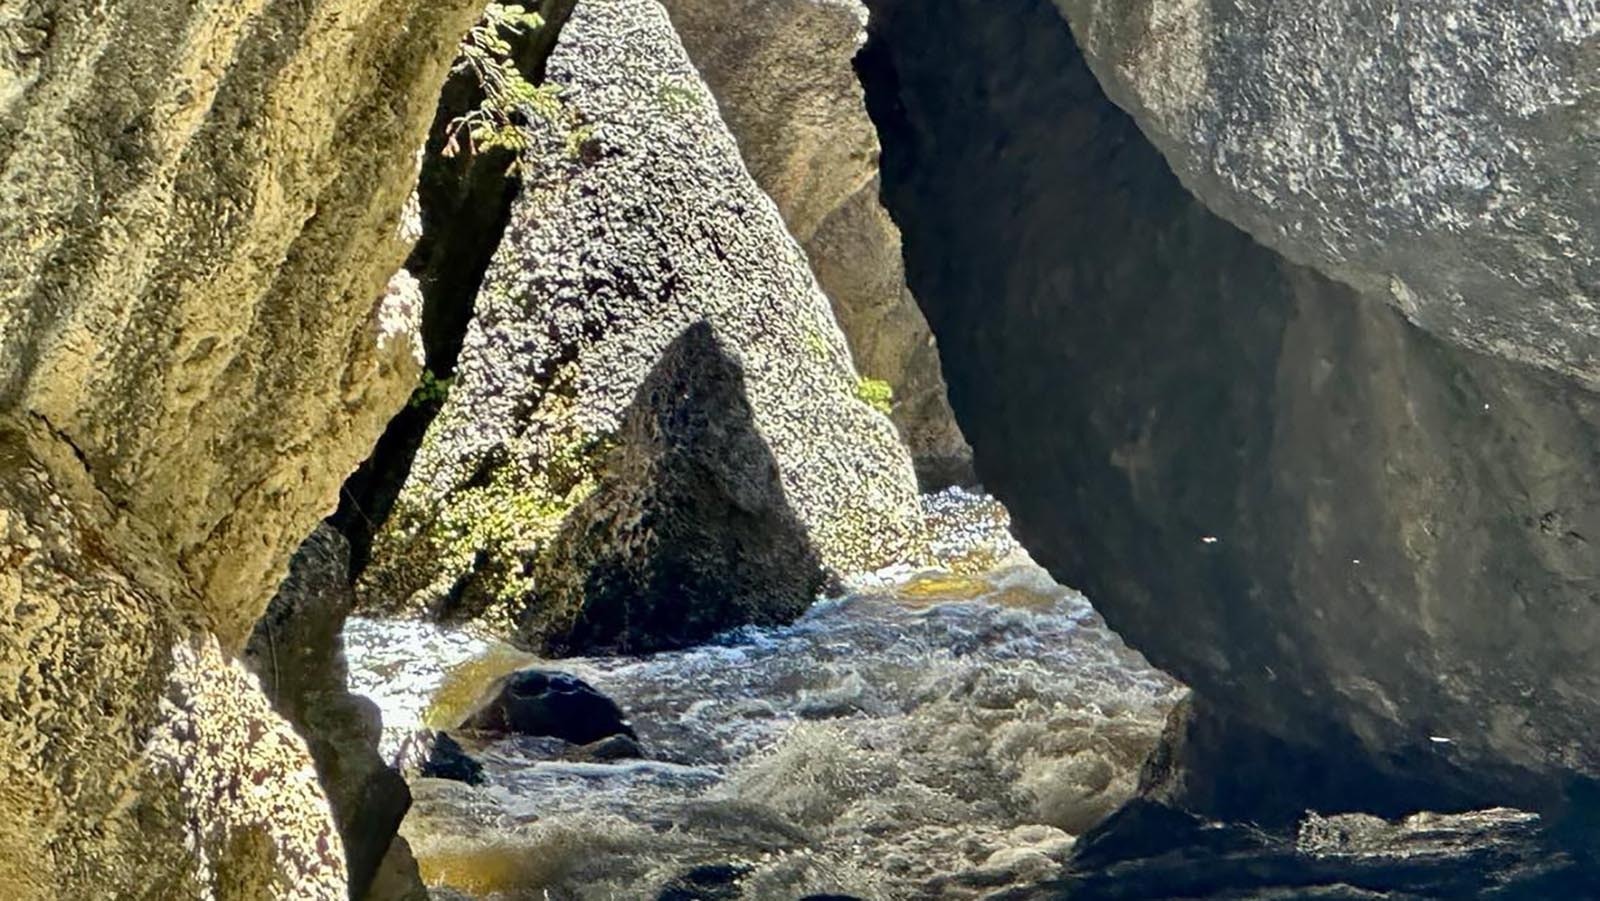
{"x": 1439, "y": 156}
{"x": 297, "y": 651}
{"x": 784, "y": 80}
{"x": 137, "y": 759}
{"x": 653, "y": 402}
{"x": 197, "y": 222}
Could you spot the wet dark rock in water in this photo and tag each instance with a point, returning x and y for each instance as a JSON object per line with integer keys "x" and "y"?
{"x": 448, "y": 760}
{"x": 558, "y": 705}
{"x": 1150, "y": 851}
{"x": 612, "y": 747}
{"x": 1218, "y": 766}
{"x": 712, "y": 882}
{"x": 1340, "y": 529}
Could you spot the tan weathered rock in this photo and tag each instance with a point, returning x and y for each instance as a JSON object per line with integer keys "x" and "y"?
{"x": 136, "y": 761}
{"x": 783, "y": 78}
{"x": 653, "y": 401}
{"x": 197, "y": 219}
{"x": 255, "y": 819}
{"x": 297, "y": 649}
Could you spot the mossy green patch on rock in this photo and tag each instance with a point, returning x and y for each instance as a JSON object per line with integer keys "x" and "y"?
{"x": 875, "y": 393}
{"x": 493, "y": 534}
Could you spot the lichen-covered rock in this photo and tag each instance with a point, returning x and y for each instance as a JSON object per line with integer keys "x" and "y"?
{"x": 783, "y": 77}
{"x": 256, "y": 820}
{"x": 297, "y": 649}
{"x": 1440, "y": 156}
{"x": 1339, "y": 529}
{"x": 652, "y": 389}
{"x": 136, "y": 761}
{"x": 197, "y": 220}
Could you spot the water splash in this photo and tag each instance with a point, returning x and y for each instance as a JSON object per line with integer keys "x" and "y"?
{"x": 931, "y": 734}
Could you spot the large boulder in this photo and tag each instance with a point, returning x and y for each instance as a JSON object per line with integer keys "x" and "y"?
{"x": 198, "y": 219}
{"x": 784, "y": 78}
{"x": 1340, "y": 529}
{"x": 654, "y": 429}
{"x": 137, "y": 760}
{"x": 197, "y": 222}
{"x": 1440, "y": 157}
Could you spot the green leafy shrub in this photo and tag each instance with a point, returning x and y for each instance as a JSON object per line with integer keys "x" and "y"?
{"x": 508, "y": 97}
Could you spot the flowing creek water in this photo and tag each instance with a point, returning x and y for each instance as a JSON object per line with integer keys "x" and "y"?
{"x": 930, "y": 733}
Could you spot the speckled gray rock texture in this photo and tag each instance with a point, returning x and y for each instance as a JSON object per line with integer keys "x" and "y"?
{"x": 1338, "y": 528}
{"x": 783, "y": 77}
{"x": 1440, "y": 155}
{"x": 575, "y": 420}
{"x": 197, "y": 220}
{"x": 136, "y": 760}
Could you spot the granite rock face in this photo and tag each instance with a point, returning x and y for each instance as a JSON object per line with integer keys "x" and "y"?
{"x": 1341, "y": 530}
{"x": 1438, "y": 156}
{"x": 197, "y": 222}
{"x": 653, "y": 408}
{"x": 784, "y": 79}
{"x": 134, "y": 752}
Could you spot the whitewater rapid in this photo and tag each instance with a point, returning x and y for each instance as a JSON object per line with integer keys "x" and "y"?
{"x": 928, "y": 734}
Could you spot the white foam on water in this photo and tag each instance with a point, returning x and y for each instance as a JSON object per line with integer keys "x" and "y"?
{"x": 927, "y": 735}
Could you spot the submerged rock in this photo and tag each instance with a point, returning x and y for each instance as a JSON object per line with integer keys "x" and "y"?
{"x": 710, "y": 882}
{"x": 612, "y": 747}
{"x": 1149, "y": 851}
{"x": 783, "y": 77}
{"x": 446, "y": 759}
{"x": 1439, "y": 158}
{"x": 558, "y": 705}
{"x": 1343, "y": 531}
{"x": 654, "y": 432}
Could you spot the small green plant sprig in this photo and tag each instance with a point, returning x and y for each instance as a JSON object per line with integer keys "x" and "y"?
{"x": 876, "y": 393}
{"x": 431, "y": 391}
{"x": 487, "y": 53}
